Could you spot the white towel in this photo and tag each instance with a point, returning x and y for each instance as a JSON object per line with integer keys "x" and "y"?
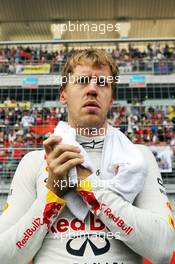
{"x": 73, "y": 201}
{"x": 118, "y": 150}
{"x": 68, "y": 135}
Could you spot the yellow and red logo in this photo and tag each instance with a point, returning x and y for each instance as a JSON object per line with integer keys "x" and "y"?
{"x": 171, "y": 221}
{"x": 84, "y": 185}
{"x": 54, "y": 205}
{"x": 169, "y": 206}
{"x": 46, "y": 169}
{"x": 6, "y": 205}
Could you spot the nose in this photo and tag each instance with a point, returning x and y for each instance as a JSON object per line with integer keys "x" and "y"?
{"x": 92, "y": 88}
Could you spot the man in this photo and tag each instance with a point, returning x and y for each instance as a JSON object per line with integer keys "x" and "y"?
{"x": 38, "y": 225}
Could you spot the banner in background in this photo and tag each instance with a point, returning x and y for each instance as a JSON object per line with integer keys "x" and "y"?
{"x": 42, "y": 129}
{"x": 163, "y": 157}
{"x": 30, "y": 82}
{"x": 33, "y": 69}
{"x": 137, "y": 81}
{"x": 26, "y": 105}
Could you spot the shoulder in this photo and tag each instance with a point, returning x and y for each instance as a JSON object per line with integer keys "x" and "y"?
{"x": 25, "y": 177}
{"x": 31, "y": 163}
{"x": 149, "y": 158}
{"x": 36, "y": 155}
{"x": 145, "y": 150}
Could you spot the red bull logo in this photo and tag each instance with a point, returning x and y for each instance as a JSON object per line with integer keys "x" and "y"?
{"x": 119, "y": 221}
{"x": 169, "y": 206}
{"x": 51, "y": 210}
{"x": 170, "y": 216}
{"x": 63, "y": 225}
{"x": 29, "y": 232}
{"x": 5, "y": 206}
{"x": 53, "y": 207}
{"x": 96, "y": 206}
{"x": 171, "y": 221}
{"x": 90, "y": 199}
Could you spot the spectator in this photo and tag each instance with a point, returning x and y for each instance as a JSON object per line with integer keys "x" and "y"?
{"x": 27, "y": 121}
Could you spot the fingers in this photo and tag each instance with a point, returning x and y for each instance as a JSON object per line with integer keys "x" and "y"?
{"x": 58, "y": 176}
{"x": 50, "y": 143}
{"x": 60, "y": 149}
{"x": 64, "y": 157}
{"x": 68, "y": 156}
{"x": 60, "y": 170}
{"x": 60, "y": 159}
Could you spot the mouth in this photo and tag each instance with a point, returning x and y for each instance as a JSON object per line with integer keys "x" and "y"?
{"x": 91, "y": 105}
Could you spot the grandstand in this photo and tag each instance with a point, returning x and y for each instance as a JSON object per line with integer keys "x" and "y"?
{"x": 30, "y": 66}
{"x": 32, "y": 55}
{"x": 144, "y": 106}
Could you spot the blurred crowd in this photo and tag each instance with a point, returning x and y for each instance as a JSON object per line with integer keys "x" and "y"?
{"x": 146, "y": 125}
{"x": 143, "y": 125}
{"x": 22, "y": 130}
{"x": 28, "y": 124}
{"x": 152, "y": 126}
{"x": 128, "y": 59}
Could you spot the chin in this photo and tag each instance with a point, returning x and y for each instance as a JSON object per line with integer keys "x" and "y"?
{"x": 91, "y": 121}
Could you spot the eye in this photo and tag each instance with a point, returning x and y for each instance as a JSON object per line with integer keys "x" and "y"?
{"x": 83, "y": 80}
{"x": 102, "y": 82}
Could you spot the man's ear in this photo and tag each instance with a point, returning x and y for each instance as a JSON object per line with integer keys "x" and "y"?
{"x": 63, "y": 96}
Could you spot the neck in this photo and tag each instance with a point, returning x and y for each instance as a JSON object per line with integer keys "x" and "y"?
{"x": 90, "y": 131}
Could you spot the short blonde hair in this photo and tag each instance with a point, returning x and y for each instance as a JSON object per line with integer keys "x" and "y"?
{"x": 96, "y": 57}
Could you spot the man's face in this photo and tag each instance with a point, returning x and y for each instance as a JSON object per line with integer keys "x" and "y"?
{"x": 87, "y": 99}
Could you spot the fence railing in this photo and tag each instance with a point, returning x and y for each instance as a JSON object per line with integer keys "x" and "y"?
{"x": 127, "y": 66}
{"x": 10, "y": 158}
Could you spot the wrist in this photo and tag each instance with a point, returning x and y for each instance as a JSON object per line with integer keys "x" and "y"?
{"x": 54, "y": 187}
{"x": 82, "y": 172}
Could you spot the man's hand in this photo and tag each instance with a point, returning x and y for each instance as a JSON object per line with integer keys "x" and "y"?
{"x": 82, "y": 173}
{"x": 60, "y": 159}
